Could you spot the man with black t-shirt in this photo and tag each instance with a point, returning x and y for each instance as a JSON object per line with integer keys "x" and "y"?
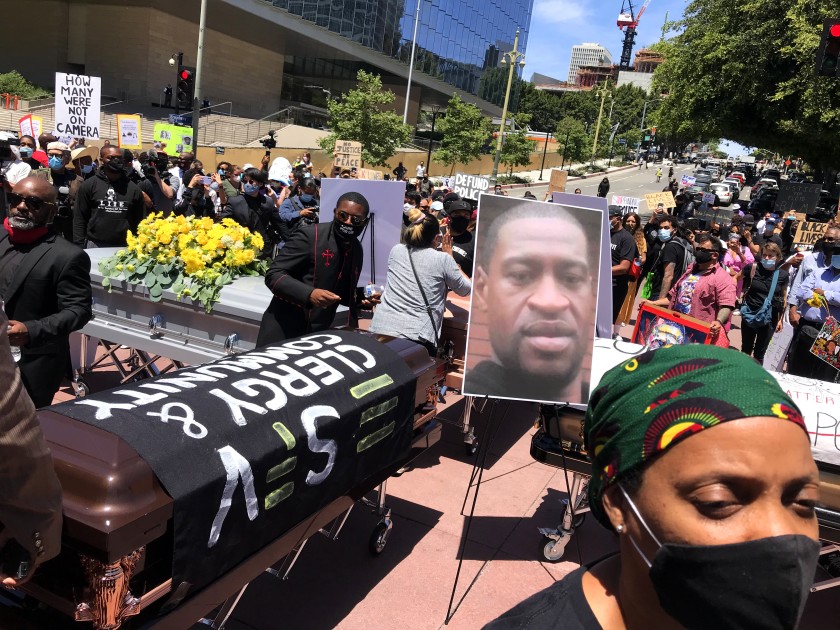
{"x": 623, "y": 248}
{"x": 463, "y": 241}
{"x": 108, "y": 204}
{"x": 667, "y": 255}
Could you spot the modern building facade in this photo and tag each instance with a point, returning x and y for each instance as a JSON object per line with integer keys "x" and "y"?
{"x": 587, "y": 55}
{"x": 262, "y": 55}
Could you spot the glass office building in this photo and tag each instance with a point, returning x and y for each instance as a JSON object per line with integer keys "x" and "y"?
{"x": 459, "y": 42}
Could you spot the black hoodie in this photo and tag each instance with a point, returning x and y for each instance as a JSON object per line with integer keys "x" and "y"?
{"x": 106, "y": 210}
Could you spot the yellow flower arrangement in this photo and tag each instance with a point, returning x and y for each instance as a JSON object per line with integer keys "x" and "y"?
{"x": 192, "y": 257}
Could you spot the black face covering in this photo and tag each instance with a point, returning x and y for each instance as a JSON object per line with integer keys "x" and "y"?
{"x": 115, "y": 166}
{"x": 459, "y": 224}
{"x": 703, "y": 255}
{"x": 345, "y": 231}
{"x": 760, "y": 584}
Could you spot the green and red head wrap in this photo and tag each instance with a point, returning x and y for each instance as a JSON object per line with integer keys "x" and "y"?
{"x": 648, "y": 404}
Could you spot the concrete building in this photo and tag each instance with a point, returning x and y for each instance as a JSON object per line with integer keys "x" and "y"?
{"x": 587, "y": 55}
{"x": 645, "y": 64}
{"x": 264, "y": 55}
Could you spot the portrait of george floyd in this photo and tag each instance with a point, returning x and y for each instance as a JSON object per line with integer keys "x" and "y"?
{"x": 531, "y": 329}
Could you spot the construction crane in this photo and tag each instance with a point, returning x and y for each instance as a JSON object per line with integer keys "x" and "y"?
{"x": 629, "y": 20}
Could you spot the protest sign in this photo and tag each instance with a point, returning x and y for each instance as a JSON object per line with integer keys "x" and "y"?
{"x": 809, "y": 232}
{"x": 827, "y": 344}
{"x": 705, "y": 213}
{"x": 25, "y": 125}
{"x": 508, "y": 357}
{"x": 348, "y": 154}
{"x": 383, "y": 230}
{"x": 665, "y": 198}
{"x": 37, "y": 126}
{"x": 557, "y": 183}
{"x": 366, "y": 173}
{"x": 688, "y": 180}
{"x": 709, "y": 198}
{"x": 603, "y": 320}
{"x": 177, "y": 139}
{"x": 774, "y": 357}
{"x": 627, "y": 204}
{"x": 797, "y": 197}
{"x": 77, "y": 98}
{"x": 129, "y": 131}
{"x": 471, "y": 186}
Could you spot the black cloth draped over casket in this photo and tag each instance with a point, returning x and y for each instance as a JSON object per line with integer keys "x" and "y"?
{"x": 250, "y": 445}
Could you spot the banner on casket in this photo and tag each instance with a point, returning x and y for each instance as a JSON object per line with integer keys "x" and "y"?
{"x": 249, "y": 446}
{"x": 534, "y": 301}
{"x": 383, "y": 230}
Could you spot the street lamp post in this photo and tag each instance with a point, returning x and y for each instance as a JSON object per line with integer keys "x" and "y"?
{"x": 604, "y": 90}
{"x": 199, "y": 59}
{"x": 511, "y": 59}
{"x": 435, "y": 111}
{"x": 545, "y": 148}
{"x": 411, "y": 62}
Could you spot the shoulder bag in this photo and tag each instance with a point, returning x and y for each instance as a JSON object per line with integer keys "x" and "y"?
{"x": 764, "y": 315}
{"x": 425, "y": 301}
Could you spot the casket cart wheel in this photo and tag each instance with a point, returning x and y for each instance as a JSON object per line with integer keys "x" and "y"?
{"x": 81, "y": 388}
{"x": 552, "y": 550}
{"x": 379, "y": 537}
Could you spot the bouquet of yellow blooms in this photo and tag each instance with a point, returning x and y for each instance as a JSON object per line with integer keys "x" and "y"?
{"x": 194, "y": 257}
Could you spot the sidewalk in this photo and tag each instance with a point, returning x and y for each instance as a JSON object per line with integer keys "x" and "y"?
{"x": 546, "y": 173}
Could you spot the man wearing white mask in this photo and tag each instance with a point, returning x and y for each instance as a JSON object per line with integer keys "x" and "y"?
{"x": 15, "y": 170}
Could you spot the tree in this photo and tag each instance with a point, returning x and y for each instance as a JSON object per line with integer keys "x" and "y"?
{"x": 359, "y": 116}
{"x": 517, "y": 148}
{"x": 573, "y": 142}
{"x": 782, "y": 105}
{"x": 14, "y": 83}
{"x": 545, "y": 108}
{"x": 465, "y": 131}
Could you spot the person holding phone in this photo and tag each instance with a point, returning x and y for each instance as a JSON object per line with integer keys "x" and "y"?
{"x": 197, "y": 200}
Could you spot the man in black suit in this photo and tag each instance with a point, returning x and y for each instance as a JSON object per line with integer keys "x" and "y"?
{"x": 317, "y": 269}
{"x": 45, "y": 284}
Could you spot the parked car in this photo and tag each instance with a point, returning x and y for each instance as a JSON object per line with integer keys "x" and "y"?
{"x": 703, "y": 178}
{"x": 765, "y": 201}
{"x": 667, "y": 162}
{"x": 723, "y": 192}
{"x": 797, "y": 177}
{"x": 735, "y": 187}
{"x": 739, "y": 176}
{"x": 761, "y": 184}
{"x": 732, "y": 180}
{"x": 772, "y": 173}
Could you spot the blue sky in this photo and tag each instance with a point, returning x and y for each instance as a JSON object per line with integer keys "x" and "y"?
{"x": 557, "y": 25}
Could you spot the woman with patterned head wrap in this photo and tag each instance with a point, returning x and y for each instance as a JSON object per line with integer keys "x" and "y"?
{"x": 702, "y": 466}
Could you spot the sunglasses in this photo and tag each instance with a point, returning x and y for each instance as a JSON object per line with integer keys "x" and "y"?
{"x": 32, "y": 202}
{"x": 354, "y": 219}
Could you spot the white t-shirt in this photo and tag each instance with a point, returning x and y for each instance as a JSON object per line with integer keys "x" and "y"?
{"x": 16, "y": 171}
{"x": 421, "y": 170}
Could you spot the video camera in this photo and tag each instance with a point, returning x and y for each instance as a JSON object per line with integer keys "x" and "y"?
{"x": 65, "y": 210}
{"x": 155, "y": 162}
{"x": 269, "y": 142}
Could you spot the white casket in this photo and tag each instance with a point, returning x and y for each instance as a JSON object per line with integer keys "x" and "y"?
{"x": 178, "y": 329}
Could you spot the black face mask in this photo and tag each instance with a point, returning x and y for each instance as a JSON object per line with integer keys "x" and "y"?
{"x": 345, "y": 231}
{"x": 459, "y": 224}
{"x": 703, "y": 255}
{"x": 761, "y": 583}
{"x": 115, "y": 166}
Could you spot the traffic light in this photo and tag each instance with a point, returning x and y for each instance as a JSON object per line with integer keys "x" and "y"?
{"x": 828, "y": 55}
{"x": 186, "y": 87}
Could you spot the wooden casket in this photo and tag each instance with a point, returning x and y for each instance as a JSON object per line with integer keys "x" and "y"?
{"x": 180, "y": 490}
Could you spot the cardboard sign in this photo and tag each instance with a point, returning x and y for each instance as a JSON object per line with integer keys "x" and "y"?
{"x": 25, "y": 125}
{"x": 177, "y": 139}
{"x": 709, "y": 198}
{"x": 77, "y": 98}
{"x": 471, "y": 186}
{"x": 809, "y": 232}
{"x": 557, "y": 183}
{"x": 797, "y": 197}
{"x": 688, "y": 181}
{"x": 37, "y": 126}
{"x": 827, "y": 344}
{"x": 627, "y": 204}
{"x": 129, "y": 131}
{"x": 774, "y": 357}
{"x": 665, "y": 198}
{"x": 366, "y": 173}
{"x": 348, "y": 154}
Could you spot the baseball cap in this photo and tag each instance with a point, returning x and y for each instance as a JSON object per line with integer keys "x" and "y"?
{"x": 437, "y": 206}
{"x": 458, "y": 204}
{"x": 615, "y": 211}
